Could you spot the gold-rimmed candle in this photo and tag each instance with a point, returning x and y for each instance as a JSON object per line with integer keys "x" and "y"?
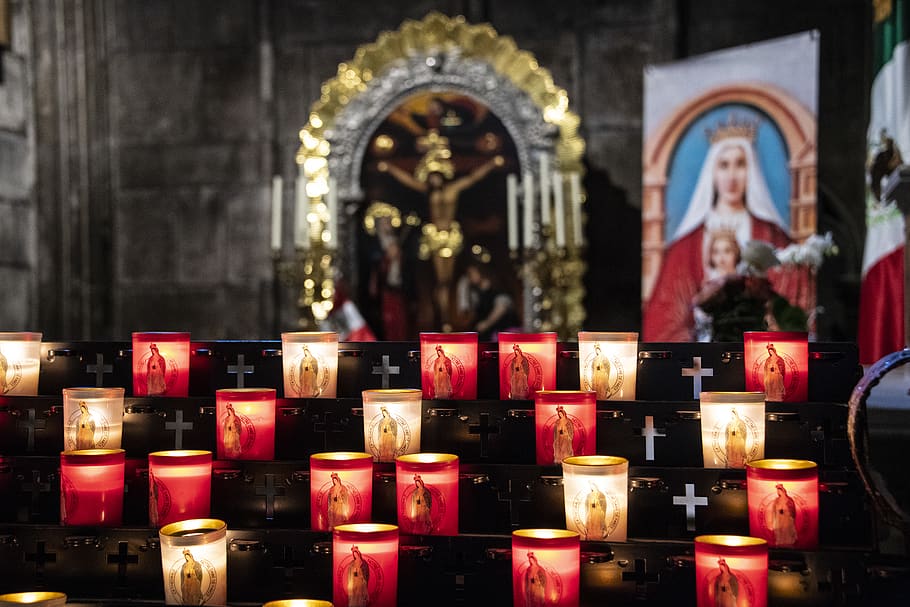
{"x": 597, "y": 496}
{"x": 731, "y": 570}
{"x": 783, "y": 502}
{"x": 732, "y": 428}
{"x": 777, "y": 363}
{"x": 365, "y": 565}
{"x": 527, "y": 363}
{"x": 91, "y": 487}
{"x": 448, "y": 364}
{"x": 180, "y": 486}
{"x": 391, "y": 422}
{"x": 608, "y": 364}
{"x": 566, "y": 424}
{"x": 194, "y": 562}
{"x": 93, "y": 418}
{"x": 298, "y": 603}
{"x": 161, "y": 363}
{"x": 246, "y": 423}
{"x": 20, "y": 362}
{"x": 310, "y": 362}
{"x": 546, "y": 567}
{"x": 33, "y": 599}
{"x": 341, "y": 489}
{"x": 427, "y": 489}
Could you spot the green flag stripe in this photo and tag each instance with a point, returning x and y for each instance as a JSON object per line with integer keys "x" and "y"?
{"x": 888, "y": 34}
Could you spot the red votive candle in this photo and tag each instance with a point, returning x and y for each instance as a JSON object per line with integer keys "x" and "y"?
{"x": 341, "y": 489}
{"x": 566, "y": 422}
{"x": 546, "y": 567}
{"x": 91, "y": 487}
{"x": 448, "y": 365}
{"x": 527, "y": 363}
{"x": 783, "y": 502}
{"x": 180, "y": 486}
{"x": 161, "y": 364}
{"x": 365, "y": 565}
{"x": 731, "y": 570}
{"x": 427, "y": 489}
{"x": 246, "y": 423}
{"x": 777, "y": 363}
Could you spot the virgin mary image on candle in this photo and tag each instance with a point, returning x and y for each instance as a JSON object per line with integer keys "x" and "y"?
{"x": 728, "y": 588}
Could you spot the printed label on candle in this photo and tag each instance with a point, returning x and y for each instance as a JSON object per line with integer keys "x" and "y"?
{"x": 563, "y": 435}
{"x": 193, "y": 581}
{"x": 783, "y": 516}
{"x": 390, "y": 436}
{"x": 447, "y": 372}
{"x": 733, "y": 440}
{"x": 160, "y": 374}
{"x": 540, "y": 583}
{"x": 159, "y": 500}
{"x": 596, "y": 514}
{"x": 10, "y": 374}
{"x": 87, "y": 428}
{"x": 602, "y": 374}
{"x": 360, "y": 578}
{"x": 69, "y": 499}
{"x": 778, "y": 372}
{"x": 337, "y": 502}
{"x": 312, "y": 374}
{"x": 239, "y": 433}
{"x": 725, "y": 586}
{"x": 524, "y": 374}
{"x": 423, "y": 506}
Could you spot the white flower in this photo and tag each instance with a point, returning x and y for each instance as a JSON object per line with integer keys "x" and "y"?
{"x": 810, "y": 253}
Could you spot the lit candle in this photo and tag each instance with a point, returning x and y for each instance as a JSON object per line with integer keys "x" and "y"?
{"x": 91, "y": 487}
{"x": 301, "y": 214}
{"x": 93, "y": 418}
{"x": 783, "y": 502}
{"x": 608, "y": 364}
{"x": 180, "y": 486}
{"x": 298, "y": 603}
{"x": 365, "y": 565}
{"x": 341, "y": 489}
{"x": 732, "y": 428}
{"x": 161, "y": 364}
{"x": 560, "y": 209}
{"x": 194, "y": 562}
{"x": 246, "y": 423}
{"x": 427, "y": 490}
{"x": 597, "y": 496}
{"x": 391, "y": 422}
{"x": 731, "y": 570}
{"x": 331, "y": 203}
{"x": 777, "y": 363}
{"x": 512, "y": 209}
{"x": 566, "y": 422}
{"x": 20, "y": 356}
{"x": 545, "y": 190}
{"x": 528, "y": 202}
{"x": 448, "y": 365}
{"x": 34, "y": 599}
{"x": 527, "y": 363}
{"x": 546, "y": 568}
{"x": 310, "y": 363}
{"x": 578, "y": 238}
{"x": 276, "y": 212}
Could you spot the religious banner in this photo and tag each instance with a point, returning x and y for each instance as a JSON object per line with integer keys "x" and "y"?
{"x": 729, "y": 168}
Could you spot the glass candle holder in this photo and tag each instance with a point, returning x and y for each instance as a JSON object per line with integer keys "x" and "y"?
{"x": 783, "y": 502}
{"x": 777, "y": 363}
{"x": 180, "y": 486}
{"x": 20, "y": 356}
{"x": 566, "y": 424}
{"x": 608, "y": 364}
{"x": 391, "y": 422}
{"x": 365, "y": 565}
{"x": 527, "y": 363}
{"x": 427, "y": 490}
{"x": 246, "y": 423}
{"x": 34, "y": 599}
{"x": 731, "y": 570}
{"x": 732, "y": 428}
{"x": 91, "y": 487}
{"x": 93, "y": 418}
{"x": 546, "y": 566}
{"x": 298, "y": 603}
{"x": 310, "y": 361}
{"x": 597, "y": 496}
{"x": 341, "y": 489}
{"x": 448, "y": 365}
{"x": 194, "y": 562}
{"x": 161, "y": 364}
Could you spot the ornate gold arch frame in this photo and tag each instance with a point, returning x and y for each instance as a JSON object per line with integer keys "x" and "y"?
{"x": 438, "y": 53}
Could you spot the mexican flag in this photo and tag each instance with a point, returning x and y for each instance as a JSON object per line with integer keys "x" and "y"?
{"x": 881, "y": 312}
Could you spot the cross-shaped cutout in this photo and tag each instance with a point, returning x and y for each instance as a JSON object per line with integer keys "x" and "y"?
{"x": 36, "y": 488}
{"x": 270, "y": 491}
{"x": 484, "y": 429}
{"x": 31, "y": 424}
{"x": 40, "y": 557}
{"x": 122, "y": 559}
{"x": 240, "y": 369}
{"x": 386, "y": 370}
{"x": 641, "y": 576}
{"x": 178, "y": 426}
{"x": 99, "y": 369}
{"x": 696, "y": 372}
{"x": 327, "y": 425}
{"x": 649, "y": 432}
{"x": 513, "y": 499}
{"x": 690, "y": 501}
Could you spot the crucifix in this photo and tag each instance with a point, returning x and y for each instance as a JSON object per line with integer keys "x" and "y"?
{"x": 649, "y": 432}
{"x": 690, "y": 501}
{"x": 99, "y": 369}
{"x": 386, "y": 370}
{"x": 240, "y": 369}
{"x": 178, "y": 426}
{"x": 696, "y": 372}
